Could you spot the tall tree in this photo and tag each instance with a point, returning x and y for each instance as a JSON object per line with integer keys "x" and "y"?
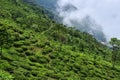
{"x": 115, "y": 49}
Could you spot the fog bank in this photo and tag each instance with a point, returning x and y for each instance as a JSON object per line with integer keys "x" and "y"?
{"x": 88, "y": 15}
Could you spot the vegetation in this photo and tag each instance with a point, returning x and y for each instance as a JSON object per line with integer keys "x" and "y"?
{"x": 115, "y": 50}
{"x": 4, "y": 37}
{"x": 43, "y": 49}
{"x": 5, "y": 76}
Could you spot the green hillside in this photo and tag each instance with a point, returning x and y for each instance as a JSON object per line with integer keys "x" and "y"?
{"x": 34, "y": 47}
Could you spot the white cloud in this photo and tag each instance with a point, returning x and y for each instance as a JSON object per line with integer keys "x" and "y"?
{"x": 104, "y": 12}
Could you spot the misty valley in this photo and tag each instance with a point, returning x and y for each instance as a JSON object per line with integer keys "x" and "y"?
{"x": 57, "y": 40}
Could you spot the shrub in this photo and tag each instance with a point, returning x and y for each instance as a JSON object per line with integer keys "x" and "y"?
{"x": 21, "y": 37}
{"x": 12, "y": 52}
{"x": 40, "y": 45}
{"x": 6, "y": 56}
{"x": 24, "y": 48}
{"x": 42, "y": 59}
{"x": 28, "y": 53}
{"x": 53, "y": 55}
{"x": 33, "y": 41}
{"x": 18, "y": 31}
{"x": 27, "y": 43}
{"x": 47, "y": 50}
{"x": 27, "y": 74}
{"x": 33, "y": 58}
{"x": 26, "y": 66}
{"x": 5, "y": 76}
{"x": 34, "y": 73}
{"x": 20, "y": 50}
{"x": 18, "y": 44}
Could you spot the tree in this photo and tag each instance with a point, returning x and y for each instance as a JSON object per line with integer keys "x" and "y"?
{"x": 4, "y": 36}
{"x": 115, "y": 49}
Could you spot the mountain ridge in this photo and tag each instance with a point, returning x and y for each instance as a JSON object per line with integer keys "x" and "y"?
{"x": 62, "y": 15}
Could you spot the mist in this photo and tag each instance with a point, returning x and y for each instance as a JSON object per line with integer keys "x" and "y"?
{"x": 99, "y": 18}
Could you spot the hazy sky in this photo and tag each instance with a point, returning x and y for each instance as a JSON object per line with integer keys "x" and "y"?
{"x": 105, "y": 12}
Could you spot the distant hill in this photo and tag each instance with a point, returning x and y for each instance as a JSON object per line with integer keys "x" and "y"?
{"x": 49, "y": 4}
{"x": 86, "y": 25}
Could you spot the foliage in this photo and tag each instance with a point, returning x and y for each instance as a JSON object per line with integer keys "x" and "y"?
{"x": 5, "y": 76}
{"x": 116, "y": 49}
{"x": 43, "y": 49}
{"x": 4, "y": 36}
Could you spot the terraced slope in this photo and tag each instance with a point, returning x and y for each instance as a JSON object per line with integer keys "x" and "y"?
{"x": 41, "y": 49}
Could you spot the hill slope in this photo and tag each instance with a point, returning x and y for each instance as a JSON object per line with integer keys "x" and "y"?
{"x": 41, "y": 49}
{"x": 85, "y": 24}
